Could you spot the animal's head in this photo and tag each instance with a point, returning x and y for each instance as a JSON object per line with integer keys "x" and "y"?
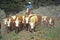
{"x": 17, "y": 22}
{"x": 27, "y": 19}
{"x": 13, "y": 17}
{"x": 8, "y": 22}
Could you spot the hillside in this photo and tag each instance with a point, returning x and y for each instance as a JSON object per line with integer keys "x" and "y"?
{"x": 47, "y": 10}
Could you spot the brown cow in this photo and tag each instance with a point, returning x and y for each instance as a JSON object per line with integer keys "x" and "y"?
{"x": 25, "y": 21}
{"x": 9, "y": 21}
{"x": 39, "y": 19}
{"x": 18, "y": 24}
{"x": 48, "y": 20}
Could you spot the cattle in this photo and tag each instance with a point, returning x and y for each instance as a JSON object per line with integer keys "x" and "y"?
{"x": 13, "y": 18}
{"x": 18, "y": 24}
{"x": 25, "y": 21}
{"x": 39, "y": 19}
{"x": 48, "y": 20}
{"x": 28, "y": 22}
{"x": 13, "y": 23}
{"x": 9, "y": 22}
{"x": 33, "y": 21}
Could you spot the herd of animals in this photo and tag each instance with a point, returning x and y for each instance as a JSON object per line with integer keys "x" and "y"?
{"x": 27, "y": 22}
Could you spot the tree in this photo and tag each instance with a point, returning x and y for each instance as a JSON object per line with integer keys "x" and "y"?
{"x": 12, "y": 5}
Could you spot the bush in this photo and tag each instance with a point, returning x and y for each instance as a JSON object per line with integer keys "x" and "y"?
{"x": 2, "y": 14}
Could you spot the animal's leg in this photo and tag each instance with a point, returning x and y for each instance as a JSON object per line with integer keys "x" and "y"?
{"x": 16, "y": 30}
{"x": 35, "y": 28}
{"x": 32, "y": 25}
{"x": 8, "y": 29}
{"x": 27, "y": 26}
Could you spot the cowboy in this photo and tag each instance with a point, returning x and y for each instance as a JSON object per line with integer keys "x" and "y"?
{"x": 29, "y": 8}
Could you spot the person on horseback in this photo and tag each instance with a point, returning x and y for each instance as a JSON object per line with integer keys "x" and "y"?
{"x": 29, "y": 8}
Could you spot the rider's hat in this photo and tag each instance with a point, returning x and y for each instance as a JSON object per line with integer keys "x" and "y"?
{"x": 29, "y": 2}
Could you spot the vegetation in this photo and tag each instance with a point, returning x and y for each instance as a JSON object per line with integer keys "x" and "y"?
{"x": 18, "y": 5}
{"x": 43, "y": 33}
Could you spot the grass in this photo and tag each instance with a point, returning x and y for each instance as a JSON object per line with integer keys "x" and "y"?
{"x": 42, "y": 34}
